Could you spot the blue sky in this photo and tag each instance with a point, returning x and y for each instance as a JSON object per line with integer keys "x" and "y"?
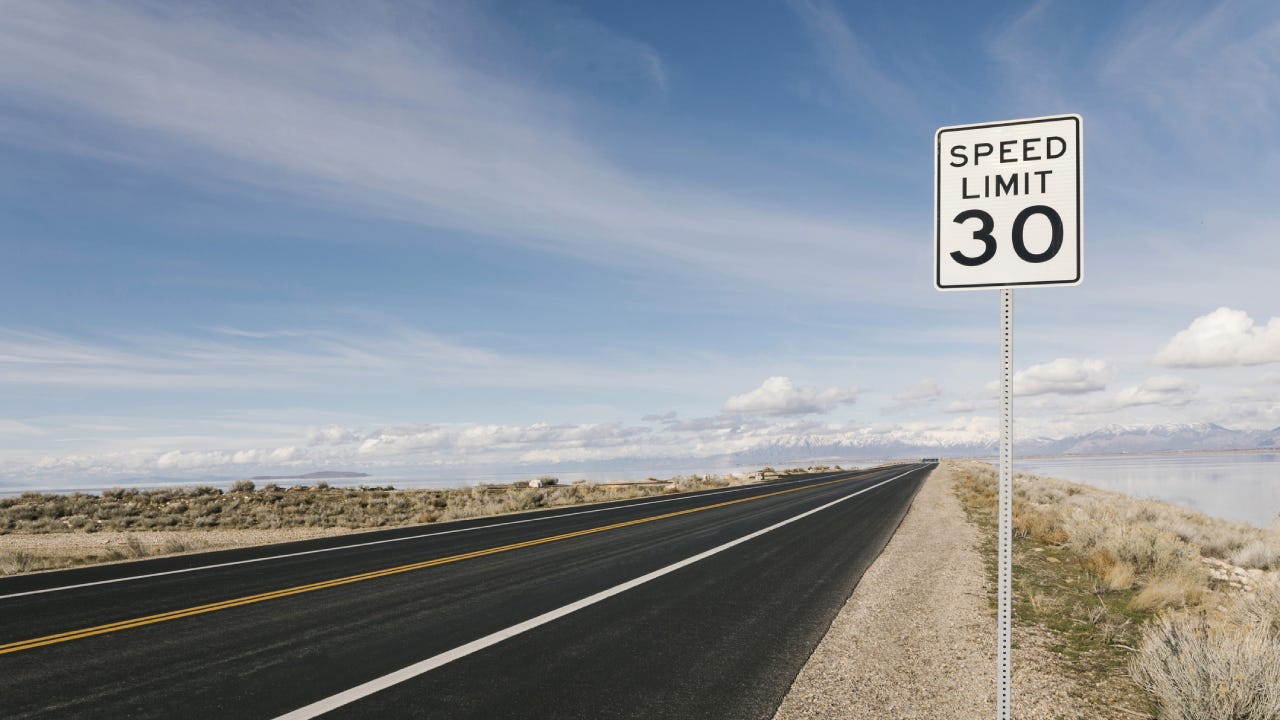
{"x": 449, "y": 236}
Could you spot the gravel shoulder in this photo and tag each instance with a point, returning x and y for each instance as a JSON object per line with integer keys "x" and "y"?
{"x": 916, "y": 639}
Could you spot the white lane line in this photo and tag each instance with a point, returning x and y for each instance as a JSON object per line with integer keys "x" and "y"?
{"x": 392, "y": 540}
{"x": 363, "y": 690}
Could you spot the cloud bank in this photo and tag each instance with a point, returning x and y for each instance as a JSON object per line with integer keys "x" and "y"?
{"x": 462, "y": 447}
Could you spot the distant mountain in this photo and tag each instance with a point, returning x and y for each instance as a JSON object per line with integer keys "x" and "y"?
{"x": 1160, "y": 438}
{"x": 1107, "y": 440}
{"x": 322, "y": 475}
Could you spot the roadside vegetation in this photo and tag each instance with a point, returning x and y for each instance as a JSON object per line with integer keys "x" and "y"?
{"x": 1158, "y": 611}
{"x": 41, "y": 531}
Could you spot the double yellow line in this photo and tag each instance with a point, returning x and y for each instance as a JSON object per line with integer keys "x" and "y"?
{"x": 62, "y": 637}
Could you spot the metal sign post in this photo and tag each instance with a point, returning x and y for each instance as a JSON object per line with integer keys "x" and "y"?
{"x": 1004, "y": 620}
{"x": 1008, "y": 212}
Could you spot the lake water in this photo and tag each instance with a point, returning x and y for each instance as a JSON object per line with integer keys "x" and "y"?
{"x": 1235, "y": 486}
{"x": 406, "y": 478}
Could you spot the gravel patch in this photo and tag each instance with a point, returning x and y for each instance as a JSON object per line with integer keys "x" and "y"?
{"x": 916, "y": 640}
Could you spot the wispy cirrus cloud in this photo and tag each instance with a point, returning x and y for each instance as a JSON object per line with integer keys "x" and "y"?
{"x": 1197, "y": 81}
{"x": 387, "y": 118}
{"x": 294, "y": 359}
{"x": 589, "y": 54}
{"x": 1206, "y": 70}
{"x": 13, "y": 428}
{"x": 849, "y": 63}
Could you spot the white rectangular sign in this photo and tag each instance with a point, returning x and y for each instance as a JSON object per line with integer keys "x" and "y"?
{"x": 1008, "y": 201}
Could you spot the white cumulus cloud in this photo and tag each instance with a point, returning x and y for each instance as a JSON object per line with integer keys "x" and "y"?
{"x": 334, "y": 435}
{"x": 778, "y": 396}
{"x": 1159, "y": 390}
{"x": 1065, "y": 376}
{"x": 924, "y": 392}
{"x": 1222, "y": 338}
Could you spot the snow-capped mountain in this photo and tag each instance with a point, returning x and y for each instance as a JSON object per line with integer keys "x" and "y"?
{"x": 1110, "y": 439}
{"x": 1159, "y": 438}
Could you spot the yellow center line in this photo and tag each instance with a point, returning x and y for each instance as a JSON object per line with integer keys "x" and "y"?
{"x": 275, "y": 594}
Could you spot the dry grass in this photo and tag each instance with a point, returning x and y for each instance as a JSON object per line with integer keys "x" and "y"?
{"x": 18, "y": 561}
{"x": 1073, "y": 604}
{"x": 1119, "y": 576}
{"x": 145, "y": 523}
{"x": 1038, "y": 522}
{"x": 1123, "y": 542}
{"x": 1258, "y": 553}
{"x": 20, "y": 556}
{"x": 1177, "y": 590}
{"x": 25, "y": 552}
{"x": 1201, "y": 637}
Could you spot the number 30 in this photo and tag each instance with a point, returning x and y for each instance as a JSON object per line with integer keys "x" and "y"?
{"x": 983, "y": 234}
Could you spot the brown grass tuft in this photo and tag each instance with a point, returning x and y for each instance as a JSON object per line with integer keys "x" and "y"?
{"x": 1038, "y": 523}
{"x": 1120, "y": 576}
{"x": 1262, "y": 553}
{"x": 1177, "y": 590}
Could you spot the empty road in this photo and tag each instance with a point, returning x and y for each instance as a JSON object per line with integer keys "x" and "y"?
{"x": 703, "y": 605}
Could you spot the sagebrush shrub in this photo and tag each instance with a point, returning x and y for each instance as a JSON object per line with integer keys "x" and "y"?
{"x": 1202, "y": 668}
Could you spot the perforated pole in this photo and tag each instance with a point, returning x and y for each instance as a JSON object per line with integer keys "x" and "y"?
{"x": 1005, "y": 560}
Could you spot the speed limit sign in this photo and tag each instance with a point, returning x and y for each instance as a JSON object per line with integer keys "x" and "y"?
{"x": 1007, "y": 197}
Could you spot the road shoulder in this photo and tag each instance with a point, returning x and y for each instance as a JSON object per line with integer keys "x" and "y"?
{"x": 915, "y": 639}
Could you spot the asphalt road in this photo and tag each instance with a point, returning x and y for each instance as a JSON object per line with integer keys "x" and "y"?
{"x": 703, "y": 605}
